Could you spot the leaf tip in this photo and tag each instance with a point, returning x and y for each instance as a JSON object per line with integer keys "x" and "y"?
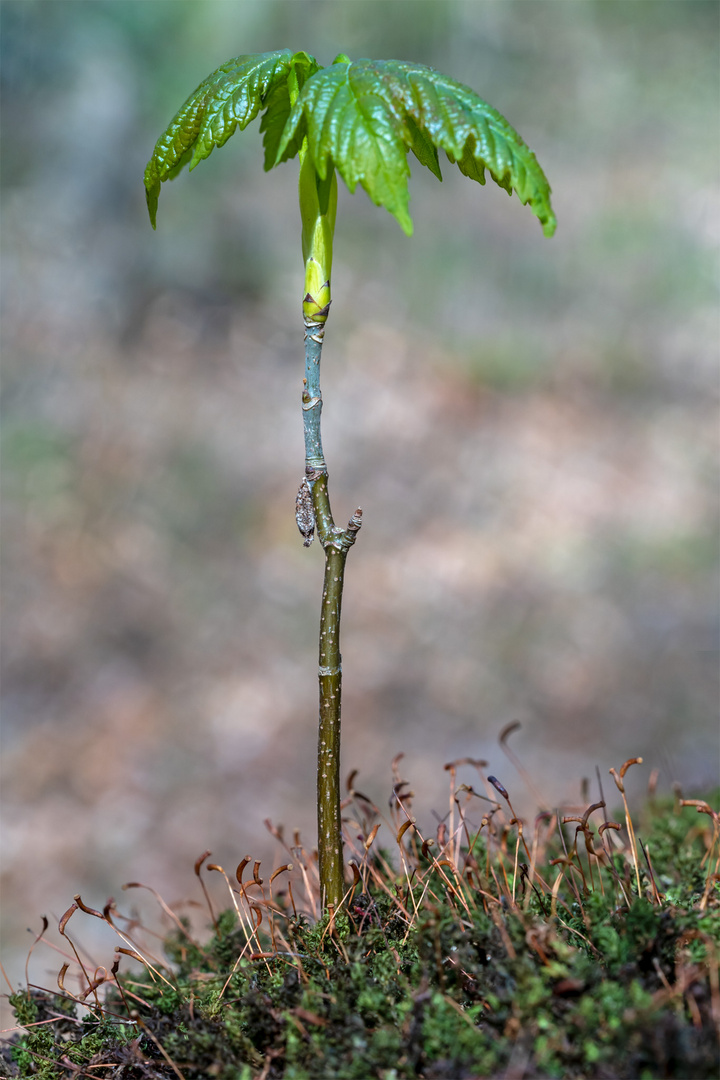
{"x": 402, "y": 216}
{"x": 549, "y": 225}
{"x": 152, "y": 193}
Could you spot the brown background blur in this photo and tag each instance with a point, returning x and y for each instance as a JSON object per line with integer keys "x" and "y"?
{"x": 529, "y": 425}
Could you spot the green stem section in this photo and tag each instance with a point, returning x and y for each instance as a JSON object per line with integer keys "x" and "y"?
{"x": 318, "y": 201}
{"x": 336, "y": 543}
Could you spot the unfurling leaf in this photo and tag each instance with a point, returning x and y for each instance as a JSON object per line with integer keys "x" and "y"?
{"x": 229, "y": 98}
{"x": 360, "y": 117}
{"x": 363, "y": 117}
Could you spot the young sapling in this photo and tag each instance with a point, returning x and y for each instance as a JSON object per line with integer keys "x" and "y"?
{"x": 360, "y": 119}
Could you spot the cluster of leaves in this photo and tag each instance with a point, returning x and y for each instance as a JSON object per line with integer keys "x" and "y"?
{"x": 470, "y": 962}
{"x": 361, "y": 117}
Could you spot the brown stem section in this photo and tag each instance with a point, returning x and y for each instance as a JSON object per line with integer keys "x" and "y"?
{"x": 336, "y": 544}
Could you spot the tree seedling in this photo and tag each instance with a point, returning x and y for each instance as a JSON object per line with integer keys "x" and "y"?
{"x": 360, "y": 119}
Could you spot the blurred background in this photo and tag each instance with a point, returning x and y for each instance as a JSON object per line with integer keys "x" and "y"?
{"x": 530, "y": 426}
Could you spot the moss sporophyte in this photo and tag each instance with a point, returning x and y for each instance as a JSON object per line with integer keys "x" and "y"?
{"x": 494, "y": 947}
{"x": 360, "y": 119}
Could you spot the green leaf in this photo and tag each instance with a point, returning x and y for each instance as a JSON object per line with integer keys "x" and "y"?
{"x": 361, "y": 118}
{"x": 274, "y": 120}
{"x": 230, "y": 98}
{"x": 364, "y": 116}
{"x": 279, "y": 101}
{"x": 422, "y": 147}
{"x": 347, "y": 122}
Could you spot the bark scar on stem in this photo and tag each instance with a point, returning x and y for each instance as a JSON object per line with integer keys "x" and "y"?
{"x": 313, "y": 329}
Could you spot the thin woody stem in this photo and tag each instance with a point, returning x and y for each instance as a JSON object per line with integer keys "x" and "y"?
{"x": 318, "y": 203}
{"x": 312, "y": 394}
{"x": 336, "y": 543}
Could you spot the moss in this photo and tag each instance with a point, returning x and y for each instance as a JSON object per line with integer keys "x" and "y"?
{"x": 428, "y": 980}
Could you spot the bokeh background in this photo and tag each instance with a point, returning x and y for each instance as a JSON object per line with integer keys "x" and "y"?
{"x": 529, "y": 425}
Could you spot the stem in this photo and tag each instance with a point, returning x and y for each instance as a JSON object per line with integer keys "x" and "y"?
{"x": 336, "y": 543}
{"x": 318, "y": 200}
